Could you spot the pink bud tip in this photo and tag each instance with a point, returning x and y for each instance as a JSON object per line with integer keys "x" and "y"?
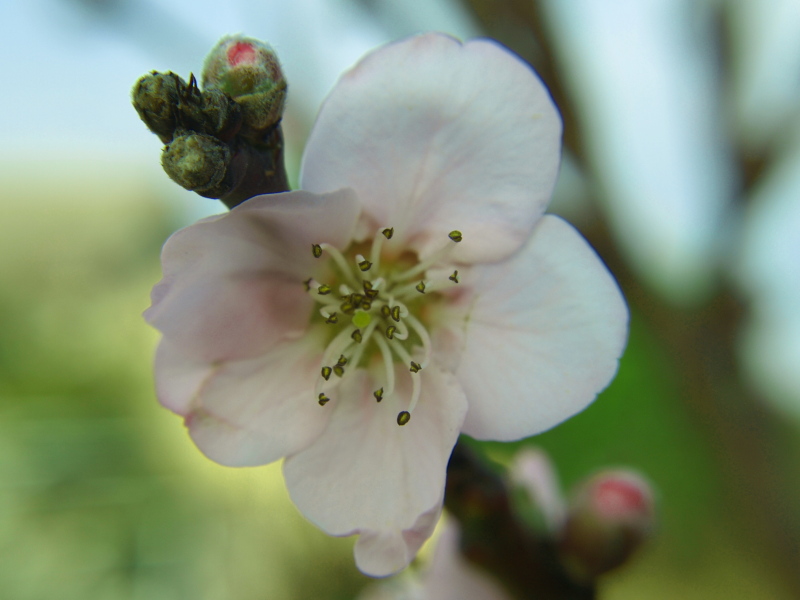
{"x": 619, "y": 497}
{"x": 241, "y": 52}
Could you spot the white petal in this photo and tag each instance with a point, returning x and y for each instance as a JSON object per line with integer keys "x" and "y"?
{"x": 533, "y": 470}
{"x": 253, "y": 412}
{"x": 380, "y": 553}
{"x": 232, "y": 284}
{"x": 542, "y": 335}
{"x": 178, "y": 377}
{"x": 368, "y": 475}
{"x": 435, "y": 135}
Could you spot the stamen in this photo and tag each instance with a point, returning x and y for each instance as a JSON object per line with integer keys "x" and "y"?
{"x": 420, "y": 330}
{"x": 396, "y": 314}
{"x": 390, "y": 331}
{"x": 356, "y": 356}
{"x": 338, "y": 370}
{"x": 400, "y": 333}
{"x": 323, "y": 399}
{"x": 324, "y": 289}
{"x": 415, "y": 367}
{"x": 388, "y": 364}
{"x": 332, "y": 319}
{"x": 403, "y": 417}
{"x": 340, "y": 260}
{"x": 363, "y": 264}
{"x": 411, "y": 290}
{"x": 454, "y": 276}
{"x": 337, "y": 347}
{"x": 307, "y": 283}
{"x": 356, "y": 335}
{"x": 415, "y": 392}
{"x": 326, "y": 373}
{"x": 432, "y": 259}
{"x": 316, "y": 250}
{"x": 377, "y": 244}
{"x": 342, "y": 360}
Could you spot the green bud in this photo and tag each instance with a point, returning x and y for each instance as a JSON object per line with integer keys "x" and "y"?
{"x": 222, "y": 115}
{"x": 155, "y": 98}
{"x": 199, "y": 163}
{"x": 248, "y": 70}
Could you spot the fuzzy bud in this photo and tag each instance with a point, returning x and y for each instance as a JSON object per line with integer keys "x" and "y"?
{"x": 198, "y": 162}
{"x": 609, "y": 517}
{"x": 155, "y": 98}
{"x": 248, "y": 71}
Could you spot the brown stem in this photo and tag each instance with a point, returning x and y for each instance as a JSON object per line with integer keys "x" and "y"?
{"x": 258, "y": 170}
{"x": 494, "y": 538}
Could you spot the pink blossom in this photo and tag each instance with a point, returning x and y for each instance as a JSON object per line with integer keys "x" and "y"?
{"x": 411, "y": 291}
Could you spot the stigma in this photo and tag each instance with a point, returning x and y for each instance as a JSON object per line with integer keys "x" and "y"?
{"x": 374, "y": 310}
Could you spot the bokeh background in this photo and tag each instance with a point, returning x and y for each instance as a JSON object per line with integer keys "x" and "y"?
{"x": 681, "y": 166}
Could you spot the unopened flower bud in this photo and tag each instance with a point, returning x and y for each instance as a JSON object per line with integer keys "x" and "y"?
{"x": 248, "y": 70}
{"x": 199, "y": 163}
{"x": 609, "y": 517}
{"x": 155, "y": 98}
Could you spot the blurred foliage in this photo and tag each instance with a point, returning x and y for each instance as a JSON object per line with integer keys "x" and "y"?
{"x": 102, "y": 495}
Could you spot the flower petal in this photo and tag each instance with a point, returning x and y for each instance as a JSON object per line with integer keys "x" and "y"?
{"x": 541, "y": 335}
{"x": 232, "y": 284}
{"x": 381, "y": 553}
{"x": 365, "y": 474}
{"x": 435, "y": 135}
{"x": 178, "y": 377}
{"x": 255, "y": 411}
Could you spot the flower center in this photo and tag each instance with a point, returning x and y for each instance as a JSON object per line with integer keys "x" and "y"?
{"x": 374, "y": 307}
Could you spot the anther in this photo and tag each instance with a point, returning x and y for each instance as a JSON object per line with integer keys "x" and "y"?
{"x": 371, "y": 294}
{"x": 323, "y": 399}
{"x": 332, "y": 319}
{"x": 455, "y": 235}
{"x": 324, "y": 289}
{"x": 415, "y": 367}
{"x": 420, "y": 287}
{"x": 388, "y": 232}
{"x": 386, "y": 311}
{"x": 454, "y": 277}
{"x": 396, "y": 314}
{"x": 356, "y": 299}
{"x": 307, "y": 283}
{"x": 347, "y": 308}
{"x": 316, "y": 250}
{"x": 378, "y": 394}
{"x": 342, "y": 360}
{"x": 403, "y": 417}
{"x": 326, "y": 373}
{"x": 390, "y": 331}
{"x": 338, "y": 370}
{"x": 356, "y": 335}
{"x": 364, "y": 265}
